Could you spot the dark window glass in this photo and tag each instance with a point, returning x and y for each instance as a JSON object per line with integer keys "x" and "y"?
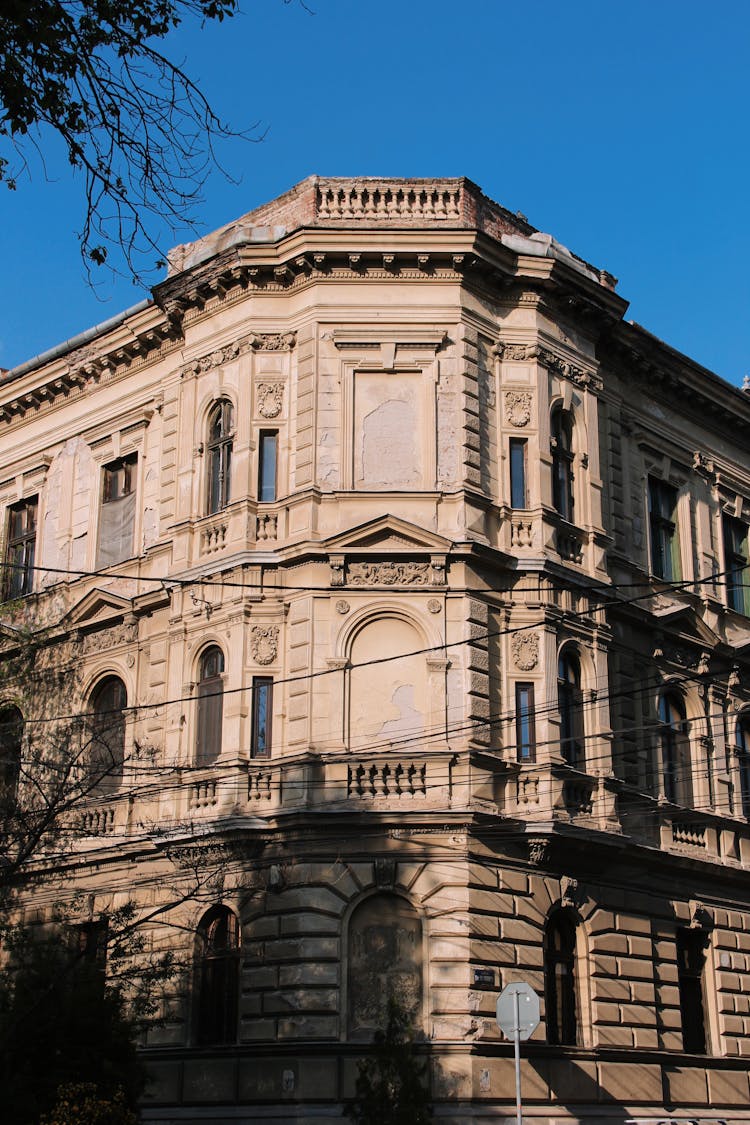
{"x": 107, "y": 742}
{"x": 260, "y": 746}
{"x": 91, "y": 953}
{"x": 735, "y": 560}
{"x": 562, "y": 463}
{"x": 525, "y": 728}
{"x": 11, "y": 738}
{"x": 743, "y": 761}
{"x": 267, "y": 467}
{"x": 210, "y": 706}
{"x": 220, "y": 444}
{"x": 675, "y": 750}
{"x": 560, "y": 979}
{"x": 218, "y": 977}
{"x": 518, "y": 497}
{"x": 19, "y": 553}
{"x": 117, "y": 518}
{"x": 570, "y": 702}
{"x": 665, "y": 544}
{"x": 691, "y": 959}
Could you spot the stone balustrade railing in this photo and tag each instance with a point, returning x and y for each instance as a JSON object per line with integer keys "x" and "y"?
{"x": 388, "y": 201}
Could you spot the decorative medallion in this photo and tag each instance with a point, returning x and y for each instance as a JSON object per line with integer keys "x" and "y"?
{"x": 270, "y": 398}
{"x": 264, "y": 643}
{"x": 434, "y": 605}
{"x": 342, "y": 607}
{"x": 525, "y": 649}
{"x": 517, "y": 407}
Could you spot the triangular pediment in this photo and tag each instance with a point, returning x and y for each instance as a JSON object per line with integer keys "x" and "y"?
{"x": 388, "y": 533}
{"x": 683, "y": 620}
{"x": 97, "y": 609}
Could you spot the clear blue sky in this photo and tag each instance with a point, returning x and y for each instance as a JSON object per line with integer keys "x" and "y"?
{"x": 621, "y": 128}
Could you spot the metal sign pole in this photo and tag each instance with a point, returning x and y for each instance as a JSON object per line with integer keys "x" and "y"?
{"x": 517, "y": 1053}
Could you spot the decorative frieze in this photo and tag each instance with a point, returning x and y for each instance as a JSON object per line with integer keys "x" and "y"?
{"x": 110, "y": 637}
{"x": 264, "y": 643}
{"x": 389, "y": 574}
{"x": 272, "y": 341}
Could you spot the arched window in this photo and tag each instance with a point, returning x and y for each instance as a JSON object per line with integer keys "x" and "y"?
{"x": 106, "y": 754}
{"x": 218, "y": 977}
{"x": 219, "y": 464}
{"x": 210, "y": 706}
{"x": 385, "y": 962}
{"x": 743, "y": 762}
{"x": 11, "y": 737}
{"x": 570, "y": 703}
{"x": 675, "y": 749}
{"x": 561, "y": 426}
{"x": 560, "y": 987}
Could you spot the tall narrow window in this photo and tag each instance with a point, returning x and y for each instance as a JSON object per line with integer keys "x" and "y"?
{"x": 210, "y": 706}
{"x": 220, "y": 442}
{"x": 691, "y": 960}
{"x": 675, "y": 749}
{"x": 107, "y": 735}
{"x": 570, "y": 702}
{"x": 218, "y": 977}
{"x": 525, "y": 727}
{"x": 736, "y": 564}
{"x": 665, "y": 542}
{"x": 117, "y": 519}
{"x": 267, "y": 466}
{"x": 91, "y": 951}
{"x": 18, "y": 578}
{"x": 562, "y": 462}
{"x": 560, "y": 979}
{"x": 11, "y": 739}
{"x": 743, "y": 764}
{"x": 518, "y": 495}
{"x": 260, "y": 746}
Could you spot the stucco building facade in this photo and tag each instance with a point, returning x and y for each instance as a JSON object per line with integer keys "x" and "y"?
{"x": 410, "y": 578}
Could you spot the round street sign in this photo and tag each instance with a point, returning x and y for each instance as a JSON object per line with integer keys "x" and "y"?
{"x": 518, "y": 1007}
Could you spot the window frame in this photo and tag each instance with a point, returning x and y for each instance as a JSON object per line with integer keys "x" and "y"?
{"x": 109, "y": 774}
{"x": 675, "y": 749}
{"x": 562, "y": 425}
{"x": 119, "y": 482}
{"x": 209, "y": 712}
{"x": 262, "y": 686}
{"x": 217, "y": 979}
{"x": 742, "y": 749}
{"x": 570, "y": 706}
{"x": 525, "y": 718}
{"x": 562, "y": 1008}
{"x": 268, "y": 483}
{"x": 519, "y": 477}
{"x": 219, "y": 451}
{"x": 691, "y": 983}
{"x": 11, "y": 748}
{"x": 22, "y": 544}
{"x": 734, "y": 533}
{"x": 664, "y": 530}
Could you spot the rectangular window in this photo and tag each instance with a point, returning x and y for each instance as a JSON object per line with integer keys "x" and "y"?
{"x": 691, "y": 959}
{"x": 260, "y": 745}
{"x": 525, "y": 728}
{"x": 518, "y": 497}
{"x": 20, "y": 547}
{"x": 735, "y": 564}
{"x": 664, "y": 537}
{"x": 267, "y": 467}
{"x": 117, "y": 518}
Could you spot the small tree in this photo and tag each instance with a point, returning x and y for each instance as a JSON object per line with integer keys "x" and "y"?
{"x": 81, "y": 1104}
{"x": 391, "y": 1084}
